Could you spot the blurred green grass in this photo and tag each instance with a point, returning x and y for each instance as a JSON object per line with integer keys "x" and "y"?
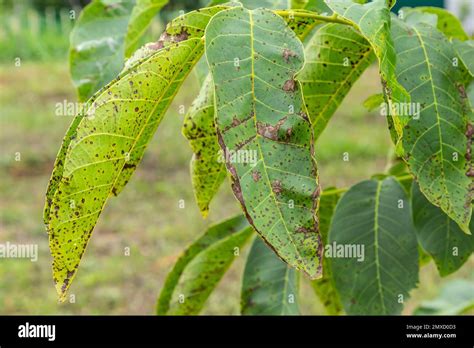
{"x": 146, "y": 217}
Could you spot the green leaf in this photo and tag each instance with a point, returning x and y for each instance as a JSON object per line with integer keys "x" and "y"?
{"x": 373, "y": 22}
{"x": 435, "y": 142}
{"x": 440, "y": 236}
{"x": 269, "y": 286}
{"x": 336, "y": 56}
{"x": 374, "y": 101}
{"x": 318, "y": 6}
{"x": 325, "y": 287}
{"x": 414, "y": 17}
{"x": 456, "y": 297}
{"x": 260, "y": 115}
{"x": 140, "y": 18}
{"x": 446, "y": 22}
{"x": 201, "y": 266}
{"x": 465, "y": 52}
{"x": 207, "y": 169}
{"x": 375, "y": 216}
{"x": 97, "y": 45}
{"x": 106, "y": 142}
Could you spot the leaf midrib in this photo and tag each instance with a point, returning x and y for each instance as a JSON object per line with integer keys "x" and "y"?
{"x": 376, "y": 243}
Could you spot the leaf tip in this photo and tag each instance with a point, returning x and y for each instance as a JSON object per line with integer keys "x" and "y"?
{"x": 313, "y": 273}
{"x": 465, "y": 229}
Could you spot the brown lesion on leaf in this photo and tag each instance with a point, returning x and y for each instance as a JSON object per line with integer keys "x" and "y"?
{"x": 304, "y": 230}
{"x": 235, "y": 122}
{"x": 277, "y": 188}
{"x": 256, "y": 176}
{"x": 462, "y": 91}
{"x": 169, "y": 38}
{"x": 269, "y": 131}
{"x": 287, "y": 54}
{"x": 289, "y": 85}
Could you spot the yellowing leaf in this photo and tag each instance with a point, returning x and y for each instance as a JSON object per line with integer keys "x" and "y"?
{"x": 107, "y": 140}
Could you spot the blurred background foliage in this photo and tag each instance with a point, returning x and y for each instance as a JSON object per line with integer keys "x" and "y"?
{"x": 146, "y": 217}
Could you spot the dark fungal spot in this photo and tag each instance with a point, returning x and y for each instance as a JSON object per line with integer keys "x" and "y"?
{"x": 289, "y": 85}
{"x": 304, "y": 230}
{"x": 269, "y": 131}
{"x": 276, "y": 187}
{"x": 462, "y": 91}
{"x": 256, "y": 175}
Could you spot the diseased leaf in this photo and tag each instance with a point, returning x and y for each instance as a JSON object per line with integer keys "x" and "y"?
{"x": 437, "y": 142}
{"x": 140, "y": 18}
{"x": 269, "y": 286}
{"x": 106, "y": 142}
{"x": 336, "y": 56}
{"x": 207, "y": 165}
{"x": 325, "y": 287}
{"x": 446, "y": 22}
{"x": 260, "y": 113}
{"x": 456, "y": 297}
{"x": 201, "y": 266}
{"x": 199, "y": 127}
{"x": 376, "y": 216}
{"x": 97, "y": 45}
{"x": 440, "y": 236}
{"x": 373, "y": 22}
